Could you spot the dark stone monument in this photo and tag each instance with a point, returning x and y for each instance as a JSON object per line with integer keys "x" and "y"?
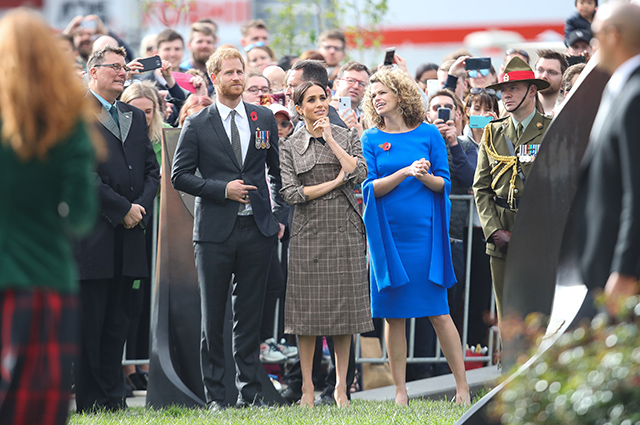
{"x": 541, "y": 252}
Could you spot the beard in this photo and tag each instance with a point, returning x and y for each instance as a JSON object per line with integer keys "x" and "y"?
{"x": 201, "y": 56}
{"x": 231, "y": 91}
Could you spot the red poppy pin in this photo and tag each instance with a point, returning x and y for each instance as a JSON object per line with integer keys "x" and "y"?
{"x": 385, "y": 146}
{"x": 254, "y": 116}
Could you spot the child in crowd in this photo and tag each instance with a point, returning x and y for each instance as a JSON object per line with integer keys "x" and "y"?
{"x": 582, "y": 18}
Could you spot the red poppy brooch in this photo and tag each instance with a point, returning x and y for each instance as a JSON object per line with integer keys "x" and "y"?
{"x": 385, "y": 146}
{"x": 254, "y": 116}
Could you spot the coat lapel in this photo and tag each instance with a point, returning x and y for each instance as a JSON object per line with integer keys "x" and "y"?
{"x": 108, "y": 123}
{"x": 125, "y": 119}
{"x": 221, "y": 134}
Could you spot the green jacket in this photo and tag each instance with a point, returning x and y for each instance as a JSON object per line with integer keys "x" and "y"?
{"x": 42, "y": 205}
{"x": 492, "y": 216}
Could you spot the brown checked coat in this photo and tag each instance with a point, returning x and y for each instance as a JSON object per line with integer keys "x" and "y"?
{"x": 327, "y": 287}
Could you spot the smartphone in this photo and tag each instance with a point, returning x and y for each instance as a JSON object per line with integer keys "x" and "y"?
{"x": 89, "y": 24}
{"x": 479, "y": 121}
{"x": 154, "y": 62}
{"x": 444, "y": 114}
{"x": 433, "y": 86}
{"x": 572, "y": 60}
{"x": 388, "y": 56}
{"x": 344, "y": 104}
{"x": 477, "y": 63}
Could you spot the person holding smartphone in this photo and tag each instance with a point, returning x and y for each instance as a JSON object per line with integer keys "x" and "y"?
{"x": 446, "y": 112}
{"x": 352, "y": 81}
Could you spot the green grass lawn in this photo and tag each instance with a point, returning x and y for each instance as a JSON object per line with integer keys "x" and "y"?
{"x": 360, "y": 413}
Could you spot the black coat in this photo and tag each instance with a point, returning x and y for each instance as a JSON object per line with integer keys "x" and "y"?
{"x": 129, "y": 174}
{"x": 608, "y": 194}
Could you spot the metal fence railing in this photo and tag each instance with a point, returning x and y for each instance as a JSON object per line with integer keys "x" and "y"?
{"x": 411, "y": 358}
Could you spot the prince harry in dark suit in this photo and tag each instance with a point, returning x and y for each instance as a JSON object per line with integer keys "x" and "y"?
{"x": 236, "y": 224}
{"x": 114, "y": 253}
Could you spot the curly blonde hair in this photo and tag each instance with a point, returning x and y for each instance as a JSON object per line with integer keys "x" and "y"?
{"x": 407, "y": 92}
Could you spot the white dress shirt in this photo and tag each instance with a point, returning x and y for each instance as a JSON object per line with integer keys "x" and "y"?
{"x": 242, "y": 122}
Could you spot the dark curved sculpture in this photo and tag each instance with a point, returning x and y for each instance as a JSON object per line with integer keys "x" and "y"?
{"x": 174, "y": 370}
{"x": 541, "y": 252}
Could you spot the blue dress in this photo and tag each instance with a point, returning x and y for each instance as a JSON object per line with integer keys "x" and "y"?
{"x": 408, "y": 228}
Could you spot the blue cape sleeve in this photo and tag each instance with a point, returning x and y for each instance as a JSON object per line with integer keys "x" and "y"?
{"x": 386, "y": 267}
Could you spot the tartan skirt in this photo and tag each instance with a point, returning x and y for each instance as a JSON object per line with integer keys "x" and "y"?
{"x": 38, "y": 344}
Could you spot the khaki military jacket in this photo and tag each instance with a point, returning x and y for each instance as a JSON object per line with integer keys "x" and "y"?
{"x": 487, "y": 184}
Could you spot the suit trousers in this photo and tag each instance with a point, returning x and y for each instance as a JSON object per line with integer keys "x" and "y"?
{"x": 246, "y": 253}
{"x": 105, "y": 310}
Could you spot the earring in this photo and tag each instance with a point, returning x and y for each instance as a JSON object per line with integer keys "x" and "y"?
{"x": 399, "y": 110}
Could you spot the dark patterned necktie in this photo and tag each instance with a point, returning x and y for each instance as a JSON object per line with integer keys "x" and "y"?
{"x": 113, "y": 111}
{"x": 235, "y": 138}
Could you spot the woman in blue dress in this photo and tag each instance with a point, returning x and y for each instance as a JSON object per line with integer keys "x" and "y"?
{"x": 406, "y": 214}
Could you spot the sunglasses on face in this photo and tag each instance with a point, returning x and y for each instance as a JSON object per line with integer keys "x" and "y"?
{"x": 475, "y": 73}
{"x": 256, "y": 44}
{"x": 478, "y": 90}
{"x": 284, "y": 123}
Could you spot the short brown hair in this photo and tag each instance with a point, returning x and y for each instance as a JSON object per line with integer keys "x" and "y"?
{"x": 254, "y": 23}
{"x": 214, "y": 64}
{"x": 353, "y": 66}
{"x": 334, "y": 34}
{"x": 202, "y": 27}
{"x": 552, "y": 54}
{"x": 168, "y": 35}
{"x": 97, "y": 57}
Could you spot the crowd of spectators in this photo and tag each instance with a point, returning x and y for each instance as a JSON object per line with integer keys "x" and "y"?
{"x": 454, "y": 101}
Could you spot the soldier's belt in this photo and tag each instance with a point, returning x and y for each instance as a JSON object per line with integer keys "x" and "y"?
{"x": 502, "y": 202}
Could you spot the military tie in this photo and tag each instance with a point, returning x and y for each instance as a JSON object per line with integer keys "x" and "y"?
{"x": 113, "y": 111}
{"x": 235, "y": 138}
{"x": 519, "y": 131}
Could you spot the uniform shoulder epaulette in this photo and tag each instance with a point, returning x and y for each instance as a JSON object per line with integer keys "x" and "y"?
{"x": 499, "y": 119}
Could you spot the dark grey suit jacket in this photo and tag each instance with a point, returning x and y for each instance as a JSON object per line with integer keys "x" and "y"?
{"x": 608, "y": 193}
{"x": 129, "y": 174}
{"x": 204, "y": 146}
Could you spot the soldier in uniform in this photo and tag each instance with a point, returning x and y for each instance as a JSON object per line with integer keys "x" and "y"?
{"x": 508, "y": 149}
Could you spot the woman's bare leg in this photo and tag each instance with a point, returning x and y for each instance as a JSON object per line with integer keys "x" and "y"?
{"x": 452, "y": 348}
{"x": 397, "y": 352}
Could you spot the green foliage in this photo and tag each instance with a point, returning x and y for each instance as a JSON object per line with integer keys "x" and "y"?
{"x": 296, "y": 24}
{"x": 359, "y": 413}
{"x": 369, "y": 15}
{"x": 589, "y": 376}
